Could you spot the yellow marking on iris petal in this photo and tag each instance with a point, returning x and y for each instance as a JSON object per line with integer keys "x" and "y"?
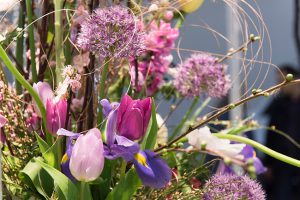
{"x": 64, "y": 158}
{"x": 141, "y": 159}
{"x": 254, "y": 154}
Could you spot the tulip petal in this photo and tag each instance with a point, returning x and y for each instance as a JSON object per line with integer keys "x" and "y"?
{"x": 153, "y": 171}
{"x": 87, "y": 159}
{"x": 132, "y": 125}
{"x": 125, "y": 102}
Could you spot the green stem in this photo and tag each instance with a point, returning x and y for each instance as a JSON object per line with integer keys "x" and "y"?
{"x": 59, "y": 53}
{"x": 82, "y": 190}
{"x": 102, "y": 88}
{"x": 199, "y": 110}
{"x": 185, "y": 117}
{"x": 260, "y": 147}
{"x": 123, "y": 168}
{"x": 20, "y": 46}
{"x": 26, "y": 85}
{"x": 31, "y": 40}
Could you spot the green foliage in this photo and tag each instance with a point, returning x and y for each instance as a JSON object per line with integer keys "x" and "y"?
{"x": 151, "y": 135}
{"x": 126, "y": 187}
{"x": 45, "y": 179}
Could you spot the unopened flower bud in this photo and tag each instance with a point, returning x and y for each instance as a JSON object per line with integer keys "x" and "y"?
{"x": 289, "y": 77}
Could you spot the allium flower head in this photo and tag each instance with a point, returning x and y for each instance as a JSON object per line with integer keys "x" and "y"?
{"x": 202, "y": 74}
{"x": 232, "y": 187}
{"x": 112, "y": 32}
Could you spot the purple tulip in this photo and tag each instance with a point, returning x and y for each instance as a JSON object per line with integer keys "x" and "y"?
{"x": 87, "y": 159}
{"x": 133, "y": 117}
{"x": 56, "y": 114}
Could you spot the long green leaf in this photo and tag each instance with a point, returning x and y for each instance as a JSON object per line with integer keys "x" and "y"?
{"x": 151, "y": 135}
{"x": 33, "y": 169}
{"x": 126, "y": 187}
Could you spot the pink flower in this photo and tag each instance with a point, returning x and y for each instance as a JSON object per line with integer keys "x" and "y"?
{"x": 133, "y": 117}
{"x": 87, "y": 159}
{"x": 3, "y": 121}
{"x": 161, "y": 38}
{"x": 44, "y": 91}
{"x": 56, "y": 114}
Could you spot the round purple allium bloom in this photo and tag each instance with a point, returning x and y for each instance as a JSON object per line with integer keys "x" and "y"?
{"x": 232, "y": 187}
{"x": 202, "y": 74}
{"x": 112, "y": 32}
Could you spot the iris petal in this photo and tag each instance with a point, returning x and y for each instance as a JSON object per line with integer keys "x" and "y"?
{"x": 155, "y": 173}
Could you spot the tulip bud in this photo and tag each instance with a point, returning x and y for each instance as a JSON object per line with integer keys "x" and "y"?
{"x": 56, "y": 114}
{"x": 190, "y": 6}
{"x": 87, "y": 159}
{"x": 44, "y": 91}
{"x": 133, "y": 117}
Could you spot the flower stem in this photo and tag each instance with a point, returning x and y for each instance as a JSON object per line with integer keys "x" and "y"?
{"x": 26, "y": 85}
{"x": 59, "y": 53}
{"x": 102, "y": 88}
{"x": 31, "y": 40}
{"x": 82, "y": 190}
{"x": 20, "y": 46}
{"x": 260, "y": 147}
{"x": 123, "y": 168}
{"x": 186, "y": 116}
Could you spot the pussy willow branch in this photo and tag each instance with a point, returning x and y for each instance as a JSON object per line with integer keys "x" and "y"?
{"x": 226, "y": 109}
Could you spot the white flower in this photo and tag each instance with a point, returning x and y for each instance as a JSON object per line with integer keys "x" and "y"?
{"x": 203, "y": 136}
{"x": 7, "y": 4}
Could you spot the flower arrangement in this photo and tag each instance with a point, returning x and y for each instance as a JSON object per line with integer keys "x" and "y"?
{"x": 81, "y": 121}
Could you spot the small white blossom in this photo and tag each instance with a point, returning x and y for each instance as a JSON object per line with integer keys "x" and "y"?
{"x": 203, "y": 136}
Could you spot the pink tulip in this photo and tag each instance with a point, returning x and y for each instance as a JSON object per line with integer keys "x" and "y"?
{"x": 87, "y": 159}
{"x": 45, "y": 92}
{"x": 56, "y": 114}
{"x": 133, "y": 117}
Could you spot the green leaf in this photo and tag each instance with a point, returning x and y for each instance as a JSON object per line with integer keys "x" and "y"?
{"x": 151, "y": 135}
{"x": 126, "y": 187}
{"x": 42, "y": 174}
{"x": 37, "y": 178}
{"x": 49, "y": 153}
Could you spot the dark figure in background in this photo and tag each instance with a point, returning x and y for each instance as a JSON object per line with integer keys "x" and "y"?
{"x": 283, "y": 180}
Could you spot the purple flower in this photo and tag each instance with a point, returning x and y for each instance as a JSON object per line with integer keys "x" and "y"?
{"x": 56, "y": 114}
{"x": 133, "y": 117}
{"x": 202, "y": 74}
{"x": 152, "y": 170}
{"x": 107, "y": 107}
{"x": 87, "y": 158}
{"x": 249, "y": 154}
{"x": 232, "y": 187}
{"x": 65, "y": 162}
{"x": 112, "y": 32}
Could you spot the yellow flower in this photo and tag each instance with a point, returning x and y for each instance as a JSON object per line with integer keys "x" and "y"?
{"x": 190, "y": 6}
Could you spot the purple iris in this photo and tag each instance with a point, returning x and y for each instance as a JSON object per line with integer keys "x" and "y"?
{"x": 65, "y": 162}
{"x": 152, "y": 170}
{"x": 249, "y": 153}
